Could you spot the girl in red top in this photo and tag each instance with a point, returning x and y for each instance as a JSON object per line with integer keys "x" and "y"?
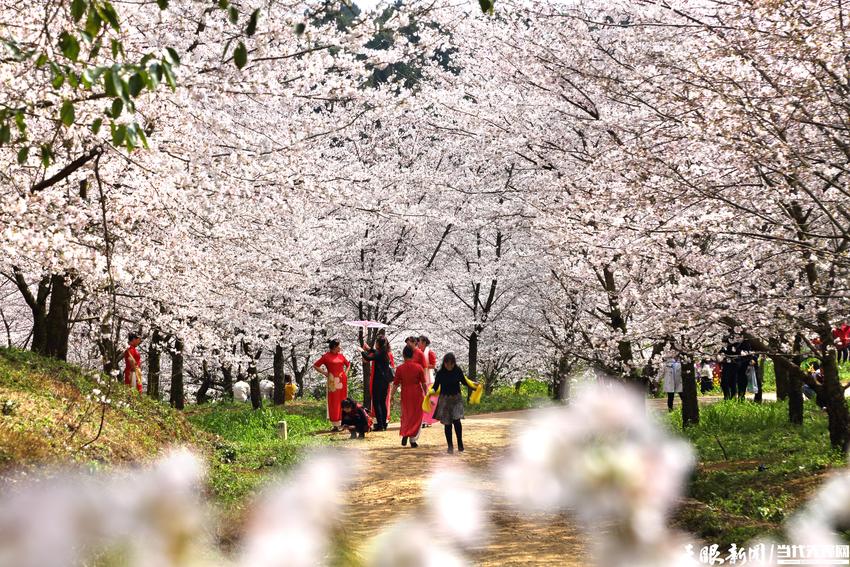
{"x": 411, "y": 377}
{"x": 336, "y": 366}
{"x": 431, "y": 361}
{"x": 132, "y": 361}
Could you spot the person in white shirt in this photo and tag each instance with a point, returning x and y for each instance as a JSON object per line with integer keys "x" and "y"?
{"x": 671, "y": 374}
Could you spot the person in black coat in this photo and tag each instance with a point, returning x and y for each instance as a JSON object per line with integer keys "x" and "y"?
{"x": 380, "y": 357}
{"x": 354, "y": 418}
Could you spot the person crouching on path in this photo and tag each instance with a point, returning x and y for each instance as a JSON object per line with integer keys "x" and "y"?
{"x": 354, "y": 418}
{"x": 450, "y": 404}
{"x": 133, "y": 362}
{"x": 411, "y": 377}
{"x": 336, "y": 366}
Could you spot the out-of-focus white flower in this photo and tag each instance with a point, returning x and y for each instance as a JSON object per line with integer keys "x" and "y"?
{"x": 604, "y": 459}
{"x": 292, "y": 523}
{"x": 456, "y": 507}
{"x": 408, "y": 544}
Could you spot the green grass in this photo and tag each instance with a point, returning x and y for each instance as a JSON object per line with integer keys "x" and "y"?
{"x": 52, "y": 417}
{"x": 249, "y": 446}
{"x": 532, "y": 393}
{"x": 754, "y": 468}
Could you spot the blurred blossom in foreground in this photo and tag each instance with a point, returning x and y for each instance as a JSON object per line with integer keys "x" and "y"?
{"x": 150, "y": 517}
{"x": 610, "y": 463}
{"x": 455, "y": 519}
{"x": 820, "y": 520}
{"x": 294, "y": 519}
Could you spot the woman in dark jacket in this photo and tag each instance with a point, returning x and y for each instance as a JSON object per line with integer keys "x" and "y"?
{"x": 380, "y": 357}
{"x": 450, "y": 404}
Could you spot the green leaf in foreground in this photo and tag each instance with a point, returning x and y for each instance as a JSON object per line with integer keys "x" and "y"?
{"x": 66, "y": 113}
{"x": 240, "y": 55}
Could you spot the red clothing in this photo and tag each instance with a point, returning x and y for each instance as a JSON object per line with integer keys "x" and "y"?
{"x": 411, "y": 377}
{"x": 131, "y": 352}
{"x": 419, "y": 357}
{"x": 337, "y": 364}
{"x": 428, "y": 417}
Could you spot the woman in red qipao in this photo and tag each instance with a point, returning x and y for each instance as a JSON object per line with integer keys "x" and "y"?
{"x": 431, "y": 361}
{"x": 132, "y": 361}
{"x": 411, "y": 377}
{"x": 336, "y": 366}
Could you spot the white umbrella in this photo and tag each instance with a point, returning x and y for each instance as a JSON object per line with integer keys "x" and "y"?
{"x": 367, "y": 324}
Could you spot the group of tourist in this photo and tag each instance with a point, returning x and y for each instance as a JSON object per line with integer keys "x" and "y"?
{"x": 417, "y": 377}
{"x": 737, "y": 369}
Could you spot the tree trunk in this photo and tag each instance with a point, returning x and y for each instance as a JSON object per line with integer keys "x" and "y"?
{"x": 176, "y": 397}
{"x": 227, "y": 381}
{"x": 58, "y": 318}
{"x": 472, "y": 373}
{"x": 836, "y": 405}
{"x": 561, "y": 386}
{"x": 108, "y": 350}
{"x": 279, "y": 397}
{"x": 254, "y": 382}
{"x": 38, "y": 307}
{"x": 782, "y": 382}
{"x": 690, "y": 403}
{"x": 795, "y": 398}
{"x": 759, "y": 379}
{"x": 201, "y": 396}
{"x": 154, "y": 364}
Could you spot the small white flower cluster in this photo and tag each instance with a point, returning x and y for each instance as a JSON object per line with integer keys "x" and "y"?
{"x": 99, "y": 397}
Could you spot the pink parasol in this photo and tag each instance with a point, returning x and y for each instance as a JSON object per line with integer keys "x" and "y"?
{"x": 367, "y": 324}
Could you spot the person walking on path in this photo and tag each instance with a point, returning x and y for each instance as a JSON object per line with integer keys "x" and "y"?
{"x": 431, "y": 361}
{"x": 671, "y": 373}
{"x": 336, "y": 366}
{"x": 450, "y": 403}
{"x": 382, "y": 378}
{"x": 418, "y": 355}
{"x": 410, "y": 376}
{"x": 133, "y": 363}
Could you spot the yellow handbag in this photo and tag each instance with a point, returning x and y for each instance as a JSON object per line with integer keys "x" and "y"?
{"x": 475, "y": 398}
{"x": 426, "y": 403}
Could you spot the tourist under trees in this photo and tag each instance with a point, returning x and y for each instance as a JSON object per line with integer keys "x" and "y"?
{"x": 410, "y": 377}
{"x": 335, "y": 371}
{"x": 447, "y": 382}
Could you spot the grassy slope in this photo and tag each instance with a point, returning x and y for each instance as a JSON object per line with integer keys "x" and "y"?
{"x": 51, "y": 415}
{"x": 730, "y": 499}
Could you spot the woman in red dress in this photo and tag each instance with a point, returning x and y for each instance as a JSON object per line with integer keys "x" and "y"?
{"x": 411, "y": 377}
{"x": 431, "y": 361}
{"x": 133, "y": 361}
{"x": 336, "y": 366}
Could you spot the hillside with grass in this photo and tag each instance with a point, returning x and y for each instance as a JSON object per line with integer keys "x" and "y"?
{"x": 56, "y": 413}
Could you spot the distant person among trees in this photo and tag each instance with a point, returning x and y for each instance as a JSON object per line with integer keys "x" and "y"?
{"x": 431, "y": 360}
{"x": 746, "y": 369}
{"x": 336, "y": 366}
{"x": 410, "y": 376}
{"x": 289, "y": 389}
{"x": 841, "y": 335}
{"x": 706, "y": 374}
{"x": 729, "y": 368}
{"x": 671, "y": 374}
{"x": 133, "y": 363}
{"x": 354, "y": 418}
{"x": 450, "y": 403}
{"x": 382, "y": 374}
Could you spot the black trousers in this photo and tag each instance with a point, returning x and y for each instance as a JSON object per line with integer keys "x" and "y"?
{"x": 741, "y": 381}
{"x": 379, "y": 401}
{"x": 728, "y": 383}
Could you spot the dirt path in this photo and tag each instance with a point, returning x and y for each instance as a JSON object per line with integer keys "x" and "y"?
{"x": 392, "y": 485}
